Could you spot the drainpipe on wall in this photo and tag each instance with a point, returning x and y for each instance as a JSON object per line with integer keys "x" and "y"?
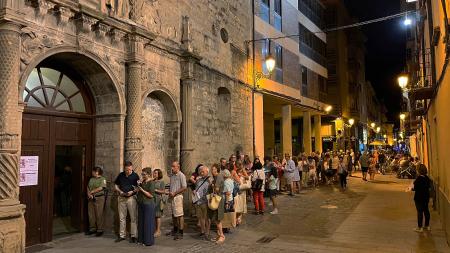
{"x": 254, "y": 78}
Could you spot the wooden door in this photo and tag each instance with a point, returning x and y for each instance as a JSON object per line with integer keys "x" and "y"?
{"x": 77, "y": 134}
{"x": 35, "y": 143}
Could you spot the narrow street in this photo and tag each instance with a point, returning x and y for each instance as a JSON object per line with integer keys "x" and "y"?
{"x": 369, "y": 217}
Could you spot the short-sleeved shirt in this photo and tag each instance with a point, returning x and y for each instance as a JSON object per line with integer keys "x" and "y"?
{"x": 148, "y": 187}
{"x": 364, "y": 160}
{"x": 273, "y": 183}
{"x": 201, "y": 188}
{"x": 97, "y": 182}
{"x": 228, "y": 186}
{"x": 177, "y": 181}
{"x": 126, "y": 183}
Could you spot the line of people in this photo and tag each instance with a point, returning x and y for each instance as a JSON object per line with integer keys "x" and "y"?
{"x": 219, "y": 194}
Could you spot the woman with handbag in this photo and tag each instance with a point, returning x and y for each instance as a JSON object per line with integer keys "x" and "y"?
{"x": 216, "y": 203}
{"x": 240, "y": 201}
{"x": 258, "y": 185}
{"x": 159, "y": 199}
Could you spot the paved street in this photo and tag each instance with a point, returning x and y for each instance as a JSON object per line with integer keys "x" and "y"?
{"x": 368, "y": 217}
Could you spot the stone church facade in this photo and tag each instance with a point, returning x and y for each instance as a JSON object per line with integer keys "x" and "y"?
{"x": 148, "y": 81}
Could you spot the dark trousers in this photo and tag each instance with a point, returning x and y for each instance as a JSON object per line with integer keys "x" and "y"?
{"x": 343, "y": 180}
{"x": 422, "y": 210}
{"x": 146, "y": 223}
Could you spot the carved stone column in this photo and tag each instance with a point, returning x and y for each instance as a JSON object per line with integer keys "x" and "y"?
{"x": 187, "y": 82}
{"x": 12, "y": 223}
{"x": 133, "y": 143}
{"x": 186, "y": 126}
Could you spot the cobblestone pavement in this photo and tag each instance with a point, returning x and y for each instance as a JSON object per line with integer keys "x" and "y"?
{"x": 369, "y": 217}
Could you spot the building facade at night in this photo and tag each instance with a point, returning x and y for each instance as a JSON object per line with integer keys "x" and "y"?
{"x": 289, "y": 102}
{"x": 428, "y": 121}
{"x": 100, "y": 82}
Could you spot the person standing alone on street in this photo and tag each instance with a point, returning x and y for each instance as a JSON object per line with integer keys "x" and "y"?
{"x": 421, "y": 189}
{"x": 125, "y": 184}
{"x": 177, "y": 187}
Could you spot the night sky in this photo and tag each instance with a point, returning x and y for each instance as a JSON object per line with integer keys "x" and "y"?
{"x": 385, "y": 58}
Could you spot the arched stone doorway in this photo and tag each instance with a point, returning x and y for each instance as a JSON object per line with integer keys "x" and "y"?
{"x": 73, "y": 119}
{"x": 160, "y": 130}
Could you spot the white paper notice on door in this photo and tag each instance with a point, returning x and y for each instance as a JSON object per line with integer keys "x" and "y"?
{"x": 29, "y": 169}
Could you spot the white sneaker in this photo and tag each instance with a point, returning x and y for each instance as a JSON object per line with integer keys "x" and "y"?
{"x": 427, "y": 228}
{"x": 418, "y": 230}
{"x": 275, "y": 211}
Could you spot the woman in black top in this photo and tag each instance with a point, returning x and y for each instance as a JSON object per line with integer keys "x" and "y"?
{"x": 421, "y": 198}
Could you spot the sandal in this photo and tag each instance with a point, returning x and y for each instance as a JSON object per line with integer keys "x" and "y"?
{"x": 158, "y": 234}
{"x": 220, "y": 240}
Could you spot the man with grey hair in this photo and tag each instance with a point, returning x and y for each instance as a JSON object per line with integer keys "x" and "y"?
{"x": 200, "y": 201}
{"x": 177, "y": 186}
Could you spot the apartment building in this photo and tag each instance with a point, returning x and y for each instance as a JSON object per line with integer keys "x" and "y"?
{"x": 291, "y": 98}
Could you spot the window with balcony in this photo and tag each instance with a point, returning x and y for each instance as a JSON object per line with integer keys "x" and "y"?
{"x": 304, "y": 81}
{"x": 264, "y": 10}
{"x": 313, "y": 10}
{"x": 277, "y": 15}
{"x": 311, "y": 46}
{"x": 278, "y": 63}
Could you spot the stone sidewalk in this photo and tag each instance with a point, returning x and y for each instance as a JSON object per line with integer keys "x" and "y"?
{"x": 374, "y": 216}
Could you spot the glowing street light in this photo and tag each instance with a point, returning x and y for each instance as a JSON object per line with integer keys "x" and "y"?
{"x": 402, "y": 116}
{"x": 373, "y": 124}
{"x": 270, "y": 63}
{"x": 403, "y": 81}
{"x": 378, "y": 129}
{"x": 351, "y": 122}
{"x": 407, "y": 21}
{"x": 384, "y": 136}
{"x": 328, "y": 108}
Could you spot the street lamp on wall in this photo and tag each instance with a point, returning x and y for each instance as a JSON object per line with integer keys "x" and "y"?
{"x": 270, "y": 63}
{"x": 351, "y": 122}
{"x": 372, "y": 124}
{"x": 402, "y": 116}
{"x": 403, "y": 81}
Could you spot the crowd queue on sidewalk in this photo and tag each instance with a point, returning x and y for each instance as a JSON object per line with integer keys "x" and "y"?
{"x": 219, "y": 193}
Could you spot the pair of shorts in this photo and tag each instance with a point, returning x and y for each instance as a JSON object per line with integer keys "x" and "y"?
{"x": 201, "y": 211}
{"x": 364, "y": 169}
{"x": 176, "y": 206}
{"x": 272, "y": 193}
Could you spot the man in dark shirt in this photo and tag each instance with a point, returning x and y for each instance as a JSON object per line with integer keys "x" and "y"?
{"x": 125, "y": 184}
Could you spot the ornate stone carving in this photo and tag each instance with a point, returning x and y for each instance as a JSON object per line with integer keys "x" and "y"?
{"x": 9, "y": 188}
{"x": 63, "y": 15}
{"x": 9, "y": 142}
{"x": 186, "y": 36}
{"x": 34, "y": 44}
{"x": 100, "y": 29}
{"x": 116, "y": 35}
{"x": 84, "y": 22}
{"x": 136, "y": 10}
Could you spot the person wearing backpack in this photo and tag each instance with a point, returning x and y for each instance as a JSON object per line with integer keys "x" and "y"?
{"x": 421, "y": 188}
{"x": 258, "y": 186}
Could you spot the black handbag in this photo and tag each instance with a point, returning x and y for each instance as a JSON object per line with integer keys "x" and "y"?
{"x": 257, "y": 184}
